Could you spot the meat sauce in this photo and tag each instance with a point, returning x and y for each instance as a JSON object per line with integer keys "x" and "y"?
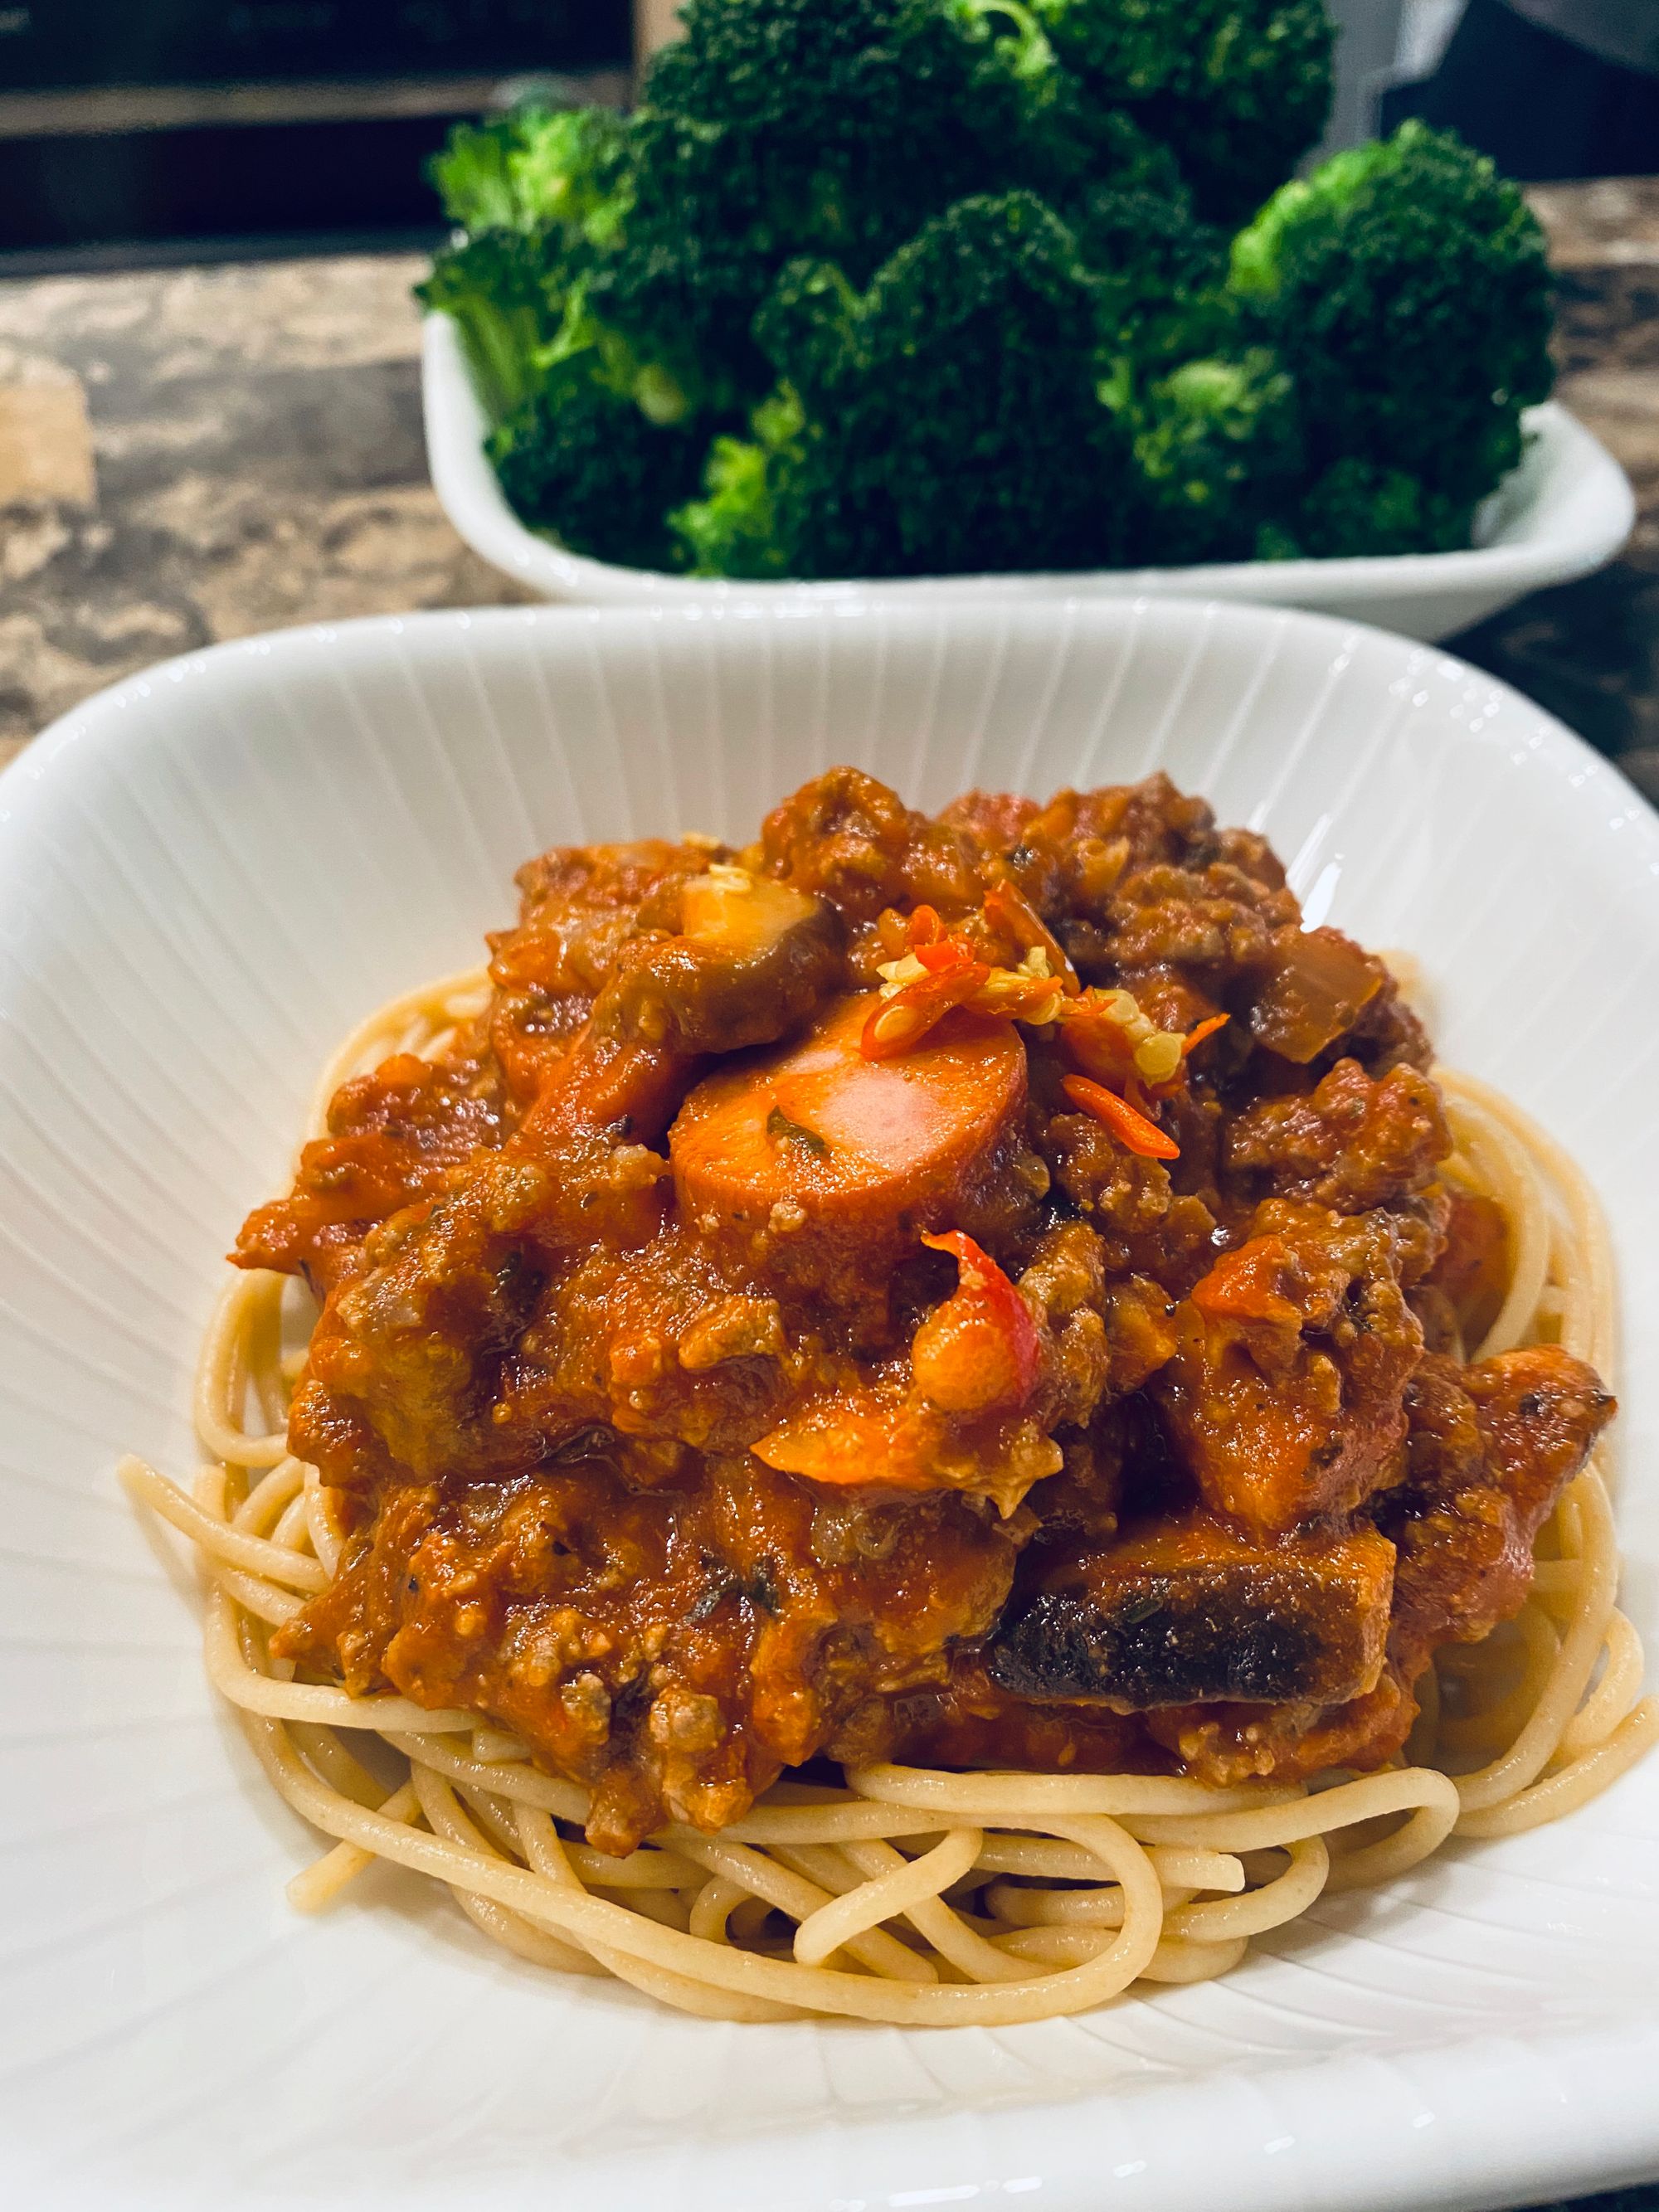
{"x": 975, "y": 1289}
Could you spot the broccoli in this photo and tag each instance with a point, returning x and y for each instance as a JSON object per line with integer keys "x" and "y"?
{"x": 1238, "y": 89}
{"x": 587, "y": 439}
{"x": 718, "y": 211}
{"x": 592, "y": 466}
{"x": 1218, "y": 449}
{"x": 496, "y": 287}
{"x": 592, "y": 437}
{"x": 846, "y": 126}
{"x": 840, "y": 126}
{"x": 947, "y": 417}
{"x": 776, "y": 129}
{"x": 546, "y": 197}
{"x": 1359, "y": 506}
{"x": 697, "y": 258}
{"x": 535, "y": 171}
{"x": 1163, "y": 274}
{"x": 732, "y": 529}
{"x": 889, "y": 287}
{"x": 1406, "y": 285}
{"x": 535, "y": 194}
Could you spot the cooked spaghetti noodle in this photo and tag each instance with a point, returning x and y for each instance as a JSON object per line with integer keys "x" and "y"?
{"x": 913, "y": 1896}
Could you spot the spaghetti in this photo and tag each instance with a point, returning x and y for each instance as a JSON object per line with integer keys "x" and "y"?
{"x": 912, "y": 1896}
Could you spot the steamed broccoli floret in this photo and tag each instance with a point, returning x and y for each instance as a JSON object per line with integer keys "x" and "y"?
{"x": 1237, "y": 88}
{"x": 591, "y": 435}
{"x": 1407, "y": 286}
{"x": 949, "y": 418}
{"x": 976, "y": 251}
{"x": 845, "y": 126}
{"x": 1163, "y": 274}
{"x": 496, "y": 288}
{"x": 582, "y": 413}
{"x": 719, "y": 208}
{"x": 1218, "y": 448}
{"x": 535, "y": 171}
{"x": 537, "y": 194}
{"x": 592, "y": 466}
{"x": 1359, "y": 507}
{"x": 700, "y": 251}
{"x": 732, "y": 529}
{"x": 833, "y": 79}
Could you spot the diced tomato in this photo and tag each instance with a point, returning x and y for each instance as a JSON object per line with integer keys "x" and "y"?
{"x": 1244, "y": 1284}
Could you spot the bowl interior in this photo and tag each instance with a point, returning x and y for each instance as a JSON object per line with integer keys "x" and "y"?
{"x": 205, "y": 879}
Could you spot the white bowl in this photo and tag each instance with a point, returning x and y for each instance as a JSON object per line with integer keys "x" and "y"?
{"x": 206, "y": 876}
{"x": 1565, "y": 512}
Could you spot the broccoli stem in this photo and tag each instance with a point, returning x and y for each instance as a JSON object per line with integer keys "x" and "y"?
{"x": 1034, "y": 55}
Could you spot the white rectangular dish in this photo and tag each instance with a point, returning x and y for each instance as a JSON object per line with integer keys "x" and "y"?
{"x": 1566, "y": 512}
{"x": 207, "y": 876}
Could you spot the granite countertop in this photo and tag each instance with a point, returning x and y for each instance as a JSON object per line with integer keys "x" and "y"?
{"x": 194, "y": 453}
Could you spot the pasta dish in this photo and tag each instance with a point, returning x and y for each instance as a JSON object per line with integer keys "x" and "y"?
{"x": 927, "y": 1420}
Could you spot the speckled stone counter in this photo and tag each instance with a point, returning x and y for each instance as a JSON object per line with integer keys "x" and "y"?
{"x": 200, "y": 452}
{"x": 256, "y": 438}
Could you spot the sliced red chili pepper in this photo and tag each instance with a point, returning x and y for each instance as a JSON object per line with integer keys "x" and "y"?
{"x": 1006, "y": 906}
{"x": 923, "y": 927}
{"x": 1004, "y": 1371}
{"x": 1194, "y": 1038}
{"x": 899, "y": 1024}
{"x": 1130, "y": 1129}
{"x": 946, "y": 954}
{"x": 1019, "y": 998}
{"x": 975, "y": 1265}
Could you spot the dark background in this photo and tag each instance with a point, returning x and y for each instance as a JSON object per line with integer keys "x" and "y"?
{"x": 101, "y": 42}
{"x": 393, "y": 77}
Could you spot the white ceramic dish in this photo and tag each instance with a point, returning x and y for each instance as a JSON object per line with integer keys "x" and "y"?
{"x": 1565, "y": 511}
{"x": 205, "y": 877}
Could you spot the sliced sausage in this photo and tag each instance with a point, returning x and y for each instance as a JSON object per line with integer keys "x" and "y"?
{"x": 835, "y": 1158}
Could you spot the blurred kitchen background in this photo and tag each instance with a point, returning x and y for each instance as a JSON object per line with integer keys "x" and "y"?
{"x": 132, "y": 127}
{"x": 137, "y": 132}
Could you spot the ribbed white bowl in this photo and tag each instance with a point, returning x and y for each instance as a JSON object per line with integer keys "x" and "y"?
{"x": 205, "y": 877}
{"x": 1564, "y": 513}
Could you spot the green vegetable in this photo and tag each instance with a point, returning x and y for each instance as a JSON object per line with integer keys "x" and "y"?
{"x": 1237, "y": 89}
{"x": 897, "y": 287}
{"x": 1405, "y": 286}
{"x": 1360, "y": 507}
{"x": 683, "y": 283}
{"x": 1218, "y": 444}
{"x": 945, "y": 413}
{"x": 844, "y": 125}
{"x": 498, "y": 287}
{"x": 1163, "y": 274}
{"x": 580, "y": 460}
{"x": 590, "y": 435}
{"x": 732, "y": 529}
{"x": 533, "y": 171}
